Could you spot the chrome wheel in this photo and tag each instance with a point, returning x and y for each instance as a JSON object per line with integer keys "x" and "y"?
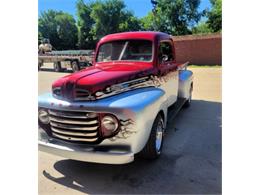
{"x": 159, "y": 136}
{"x": 154, "y": 145}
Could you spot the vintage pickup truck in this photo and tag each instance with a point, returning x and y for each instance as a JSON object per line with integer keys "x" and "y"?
{"x": 118, "y": 108}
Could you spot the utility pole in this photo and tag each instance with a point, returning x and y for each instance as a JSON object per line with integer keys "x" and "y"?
{"x": 154, "y": 3}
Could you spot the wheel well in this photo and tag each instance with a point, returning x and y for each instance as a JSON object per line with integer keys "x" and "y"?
{"x": 162, "y": 114}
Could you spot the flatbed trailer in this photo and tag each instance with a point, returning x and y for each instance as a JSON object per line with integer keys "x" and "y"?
{"x": 62, "y": 60}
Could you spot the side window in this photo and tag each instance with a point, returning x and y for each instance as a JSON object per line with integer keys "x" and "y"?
{"x": 165, "y": 52}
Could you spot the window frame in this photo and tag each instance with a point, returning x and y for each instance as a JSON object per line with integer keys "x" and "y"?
{"x": 126, "y": 40}
{"x": 173, "y": 52}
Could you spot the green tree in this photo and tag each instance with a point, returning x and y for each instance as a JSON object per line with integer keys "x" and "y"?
{"x": 110, "y": 16}
{"x": 67, "y": 31}
{"x": 176, "y": 17}
{"x": 39, "y": 37}
{"x": 85, "y": 24}
{"x": 129, "y": 22}
{"x": 215, "y": 16}
{"x": 201, "y": 28}
{"x": 148, "y": 22}
{"x": 59, "y": 27}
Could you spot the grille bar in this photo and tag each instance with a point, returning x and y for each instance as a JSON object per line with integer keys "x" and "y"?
{"x": 73, "y": 127}
{"x": 86, "y": 134}
{"x": 75, "y": 138}
{"x": 79, "y": 115}
{"x": 69, "y": 121}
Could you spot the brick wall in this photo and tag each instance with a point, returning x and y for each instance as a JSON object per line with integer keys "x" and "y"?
{"x": 199, "y": 49}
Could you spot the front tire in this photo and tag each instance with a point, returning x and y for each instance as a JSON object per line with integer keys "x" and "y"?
{"x": 153, "y": 147}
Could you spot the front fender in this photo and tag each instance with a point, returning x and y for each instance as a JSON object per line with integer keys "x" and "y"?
{"x": 136, "y": 111}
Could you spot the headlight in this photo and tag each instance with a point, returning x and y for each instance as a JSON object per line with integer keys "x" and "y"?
{"x": 109, "y": 125}
{"x": 43, "y": 116}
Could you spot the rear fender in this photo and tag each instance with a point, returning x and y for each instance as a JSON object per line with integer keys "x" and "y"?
{"x": 185, "y": 82}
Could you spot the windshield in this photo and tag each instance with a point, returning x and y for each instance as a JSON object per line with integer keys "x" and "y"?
{"x": 125, "y": 50}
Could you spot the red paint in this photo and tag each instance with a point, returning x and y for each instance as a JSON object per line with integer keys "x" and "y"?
{"x": 103, "y": 74}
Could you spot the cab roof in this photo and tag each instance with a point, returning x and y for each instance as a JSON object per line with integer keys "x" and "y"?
{"x": 148, "y": 35}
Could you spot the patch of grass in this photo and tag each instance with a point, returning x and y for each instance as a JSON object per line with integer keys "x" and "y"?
{"x": 204, "y": 66}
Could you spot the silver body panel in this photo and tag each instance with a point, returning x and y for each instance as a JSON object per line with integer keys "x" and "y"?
{"x": 136, "y": 111}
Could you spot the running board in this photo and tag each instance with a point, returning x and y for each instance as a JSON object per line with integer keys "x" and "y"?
{"x": 175, "y": 108}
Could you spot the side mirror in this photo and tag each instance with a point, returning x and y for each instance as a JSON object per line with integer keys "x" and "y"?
{"x": 164, "y": 58}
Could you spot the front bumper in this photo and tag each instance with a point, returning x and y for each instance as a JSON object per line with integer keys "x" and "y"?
{"x": 85, "y": 154}
{"x": 107, "y": 154}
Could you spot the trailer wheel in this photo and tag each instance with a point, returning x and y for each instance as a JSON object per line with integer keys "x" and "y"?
{"x": 75, "y": 66}
{"x": 188, "y": 102}
{"x": 39, "y": 66}
{"x": 153, "y": 147}
{"x": 57, "y": 66}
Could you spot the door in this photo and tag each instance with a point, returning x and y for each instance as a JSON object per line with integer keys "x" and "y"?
{"x": 168, "y": 70}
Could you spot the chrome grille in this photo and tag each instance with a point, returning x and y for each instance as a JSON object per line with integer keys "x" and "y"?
{"x": 74, "y": 125}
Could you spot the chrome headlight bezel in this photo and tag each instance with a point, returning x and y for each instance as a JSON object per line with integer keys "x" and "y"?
{"x": 43, "y": 116}
{"x": 109, "y": 124}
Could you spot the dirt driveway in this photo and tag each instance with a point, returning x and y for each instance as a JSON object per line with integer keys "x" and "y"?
{"x": 190, "y": 163}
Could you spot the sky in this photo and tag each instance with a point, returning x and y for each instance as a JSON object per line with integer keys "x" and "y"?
{"x": 139, "y": 7}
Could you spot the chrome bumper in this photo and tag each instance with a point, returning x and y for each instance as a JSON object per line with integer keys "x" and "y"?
{"x": 85, "y": 154}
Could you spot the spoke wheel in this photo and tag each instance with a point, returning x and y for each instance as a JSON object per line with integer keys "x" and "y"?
{"x": 159, "y": 136}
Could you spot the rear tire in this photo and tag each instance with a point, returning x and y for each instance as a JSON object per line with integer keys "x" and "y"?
{"x": 75, "y": 66}
{"x": 153, "y": 147}
{"x": 57, "y": 67}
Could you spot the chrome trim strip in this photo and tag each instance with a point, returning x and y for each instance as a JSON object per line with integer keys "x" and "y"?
{"x": 70, "y": 127}
{"x": 71, "y": 115}
{"x": 127, "y": 86}
{"x": 74, "y": 138}
{"x": 67, "y": 121}
{"x": 87, "y": 134}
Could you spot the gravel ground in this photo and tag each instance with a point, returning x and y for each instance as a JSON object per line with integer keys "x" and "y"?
{"x": 190, "y": 163}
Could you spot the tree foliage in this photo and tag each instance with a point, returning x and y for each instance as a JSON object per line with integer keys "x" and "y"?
{"x": 85, "y": 23}
{"x": 201, "y": 28}
{"x": 175, "y": 17}
{"x": 148, "y": 22}
{"x": 98, "y": 18}
{"x": 111, "y": 16}
{"x": 215, "y": 16}
{"x": 59, "y": 27}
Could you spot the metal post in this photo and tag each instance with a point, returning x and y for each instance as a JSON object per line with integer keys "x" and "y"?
{"x": 154, "y": 3}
